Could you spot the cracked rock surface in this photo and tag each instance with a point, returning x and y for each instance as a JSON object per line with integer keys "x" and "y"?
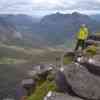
{"x": 81, "y": 82}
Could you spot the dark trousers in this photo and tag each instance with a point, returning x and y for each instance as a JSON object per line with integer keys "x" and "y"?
{"x": 80, "y": 43}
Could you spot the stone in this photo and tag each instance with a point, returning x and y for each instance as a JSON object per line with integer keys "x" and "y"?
{"x": 90, "y": 42}
{"x": 94, "y": 37}
{"x": 61, "y": 82}
{"x": 29, "y": 85}
{"x": 8, "y": 99}
{"x": 97, "y": 58}
{"x": 83, "y": 83}
{"x": 41, "y": 69}
{"x": 60, "y": 96}
{"x": 28, "y": 82}
{"x": 92, "y": 64}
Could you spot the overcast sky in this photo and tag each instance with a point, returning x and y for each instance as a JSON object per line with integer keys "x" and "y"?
{"x": 42, "y": 7}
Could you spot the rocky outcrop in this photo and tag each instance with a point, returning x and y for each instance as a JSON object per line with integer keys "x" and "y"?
{"x": 62, "y": 83}
{"x": 29, "y": 85}
{"x": 93, "y": 40}
{"x": 83, "y": 83}
{"x": 92, "y": 64}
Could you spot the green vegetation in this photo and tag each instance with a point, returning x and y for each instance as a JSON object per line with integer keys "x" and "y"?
{"x": 91, "y": 50}
{"x": 50, "y": 77}
{"x": 45, "y": 83}
{"x": 11, "y": 61}
{"x": 42, "y": 90}
{"x": 67, "y": 60}
{"x": 12, "y": 72}
{"x": 31, "y": 55}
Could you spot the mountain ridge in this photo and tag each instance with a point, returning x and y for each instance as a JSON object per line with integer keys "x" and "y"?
{"x": 51, "y": 29}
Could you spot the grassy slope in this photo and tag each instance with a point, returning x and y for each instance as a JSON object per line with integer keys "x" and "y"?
{"x": 15, "y": 54}
{"x": 11, "y": 72}
{"x": 42, "y": 90}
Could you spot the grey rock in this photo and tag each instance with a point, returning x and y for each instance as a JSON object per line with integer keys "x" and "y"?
{"x": 8, "y": 99}
{"x": 28, "y": 85}
{"x": 83, "y": 83}
{"x": 59, "y": 96}
{"x": 92, "y": 64}
{"x": 93, "y": 39}
{"x": 28, "y": 82}
{"x": 43, "y": 68}
{"x": 97, "y": 57}
{"x": 91, "y": 42}
{"x": 61, "y": 82}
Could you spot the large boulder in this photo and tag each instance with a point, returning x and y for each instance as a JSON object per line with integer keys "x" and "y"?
{"x": 93, "y": 40}
{"x": 62, "y": 83}
{"x": 97, "y": 58}
{"x": 83, "y": 83}
{"x": 92, "y": 64}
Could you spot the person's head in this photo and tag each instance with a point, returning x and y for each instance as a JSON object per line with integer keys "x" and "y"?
{"x": 83, "y": 25}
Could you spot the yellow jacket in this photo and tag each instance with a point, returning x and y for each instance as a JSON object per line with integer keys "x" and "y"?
{"x": 83, "y": 33}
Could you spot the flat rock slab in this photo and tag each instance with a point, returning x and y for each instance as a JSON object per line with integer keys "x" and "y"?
{"x": 97, "y": 58}
{"x": 82, "y": 82}
{"x": 58, "y": 96}
{"x": 92, "y": 64}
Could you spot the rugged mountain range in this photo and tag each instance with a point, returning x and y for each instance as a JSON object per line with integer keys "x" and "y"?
{"x": 51, "y": 29}
{"x": 18, "y": 30}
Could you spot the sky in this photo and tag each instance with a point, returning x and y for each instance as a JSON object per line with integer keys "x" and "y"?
{"x": 43, "y": 7}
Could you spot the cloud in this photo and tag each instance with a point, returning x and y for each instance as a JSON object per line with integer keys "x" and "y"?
{"x": 63, "y": 4}
{"x": 88, "y": 5}
{"x": 46, "y": 6}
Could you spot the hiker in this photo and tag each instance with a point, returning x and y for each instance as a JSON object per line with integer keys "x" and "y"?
{"x": 81, "y": 37}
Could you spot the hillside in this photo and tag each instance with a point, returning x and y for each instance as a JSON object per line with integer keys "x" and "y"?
{"x": 18, "y": 30}
{"x": 16, "y": 62}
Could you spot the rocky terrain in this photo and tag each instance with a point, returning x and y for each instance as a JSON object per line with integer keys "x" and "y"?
{"x": 17, "y": 63}
{"x": 19, "y": 32}
{"x": 82, "y": 77}
{"x": 77, "y": 80}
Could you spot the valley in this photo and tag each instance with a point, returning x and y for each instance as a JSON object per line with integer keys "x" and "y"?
{"x": 15, "y": 62}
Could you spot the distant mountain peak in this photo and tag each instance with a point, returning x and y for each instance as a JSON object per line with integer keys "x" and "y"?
{"x": 58, "y": 13}
{"x": 76, "y": 13}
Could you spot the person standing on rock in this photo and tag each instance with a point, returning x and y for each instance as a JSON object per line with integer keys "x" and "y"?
{"x": 81, "y": 37}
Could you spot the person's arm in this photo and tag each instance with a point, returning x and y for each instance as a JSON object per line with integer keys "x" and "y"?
{"x": 87, "y": 33}
{"x": 77, "y": 34}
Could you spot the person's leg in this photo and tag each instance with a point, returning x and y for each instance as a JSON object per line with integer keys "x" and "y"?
{"x": 83, "y": 44}
{"x": 77, "y": 45}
